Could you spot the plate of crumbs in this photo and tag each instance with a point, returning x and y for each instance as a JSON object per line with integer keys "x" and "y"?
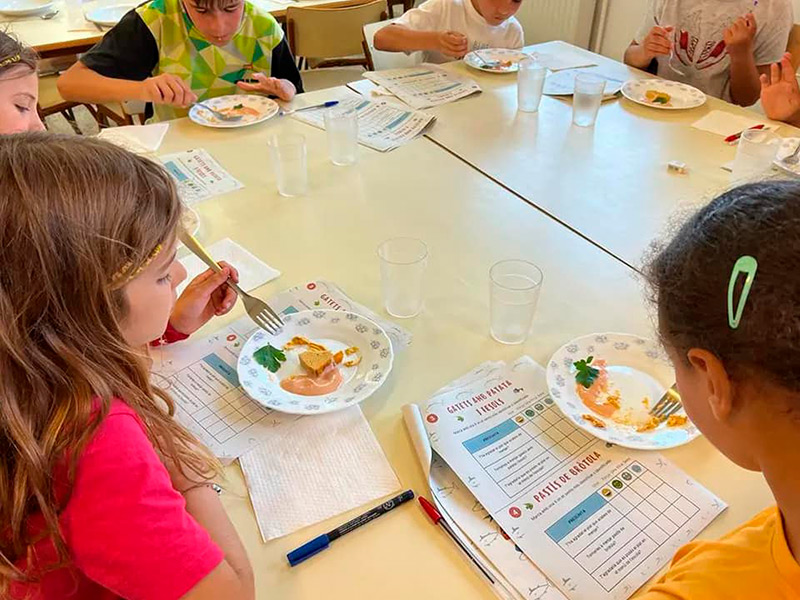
{"x": 607, "y": 384}
{"x": 251, "y": 108}
{"x": 495, "y": 60}
{"x": 321, "y": 361}
{"x": 663, "y": 94}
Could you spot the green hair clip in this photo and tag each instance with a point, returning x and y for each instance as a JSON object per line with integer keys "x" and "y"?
{"x": 748, "y": 266}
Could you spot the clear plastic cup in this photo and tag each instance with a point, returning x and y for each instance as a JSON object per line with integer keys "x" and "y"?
{"x": 530, "y": 83}
{"x": 587, "y": 98}
{"x": 514, "y": 287}
{"x": 755, "y": 153}
{"x": 403, "y": 264}
{"x": 342, "y": 127}
{"x": 288, "y": 153}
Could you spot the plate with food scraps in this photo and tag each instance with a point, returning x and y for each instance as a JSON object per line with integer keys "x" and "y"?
{"x": 663, "y": 94}
{"x": 607, "y": 383}
{"x": 495, "y": 60}
{"x": 320, "y": 362}
{"x": 785, "y": 150}
{"x": 252, "y": 108}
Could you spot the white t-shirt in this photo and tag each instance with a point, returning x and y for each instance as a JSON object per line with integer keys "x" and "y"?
{"x": 461, "y": 16}
{"x": 698, "y": 37}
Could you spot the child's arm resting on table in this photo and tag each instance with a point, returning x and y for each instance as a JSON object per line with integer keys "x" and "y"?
{"x": 284, "y": 81}
{"x": 118, "y": 68}
{"x": 780, "y": 93}
{"x": 399, "y": 38}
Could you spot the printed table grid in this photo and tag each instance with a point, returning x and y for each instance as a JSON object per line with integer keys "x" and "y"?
{"x": 621, "y": 524}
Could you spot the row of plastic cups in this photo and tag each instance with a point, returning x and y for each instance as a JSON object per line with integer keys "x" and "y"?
{"x": 586, "y": 100}
{"x": 289, "y": 153}
{"x": 514, "y": 287}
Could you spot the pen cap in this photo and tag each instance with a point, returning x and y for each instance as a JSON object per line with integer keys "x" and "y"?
{"x": 308, "y": 549}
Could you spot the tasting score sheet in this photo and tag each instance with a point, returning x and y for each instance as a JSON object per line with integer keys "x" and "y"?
{"x": 597, "y": 519}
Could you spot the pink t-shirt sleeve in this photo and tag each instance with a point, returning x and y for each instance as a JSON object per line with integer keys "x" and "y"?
{"x": 126, "y": 526}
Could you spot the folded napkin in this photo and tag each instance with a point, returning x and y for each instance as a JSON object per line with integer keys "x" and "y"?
{"x": 141, "y": 139}
{"x": 724, "y": 123}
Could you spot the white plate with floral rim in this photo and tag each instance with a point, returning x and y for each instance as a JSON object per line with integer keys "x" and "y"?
{"x": 254, "y": 109}
{"x": 638, "y": 372}
{"x": 787, "y": 148}
{"x": 508, "y": 59}
{"x": 682, "y": 96}
{"x": 334, "y": 329}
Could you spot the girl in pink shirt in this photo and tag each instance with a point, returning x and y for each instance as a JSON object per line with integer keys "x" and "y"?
{"x": 102, "y": 493}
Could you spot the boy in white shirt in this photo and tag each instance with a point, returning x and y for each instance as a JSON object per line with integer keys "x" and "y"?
{"x": 448, "y": 29}
{"x": 720, "y": 46}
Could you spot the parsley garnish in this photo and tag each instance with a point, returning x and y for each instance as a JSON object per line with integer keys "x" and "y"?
{"x": 238, "y": 106}
{"x": 270, "y": 358}
{"x": 585, "y": 374}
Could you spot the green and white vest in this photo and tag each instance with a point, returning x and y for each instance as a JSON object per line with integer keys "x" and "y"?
{"x": 210, "y": 70}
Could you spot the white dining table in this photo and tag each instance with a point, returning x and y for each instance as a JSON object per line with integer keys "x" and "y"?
{"x": 609, "y": 182}
{"x": 469, "y": 221}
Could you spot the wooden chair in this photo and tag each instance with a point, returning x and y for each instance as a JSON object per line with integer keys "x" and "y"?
{"x": 328, "y": 41}
{"x": 378, "y": 60}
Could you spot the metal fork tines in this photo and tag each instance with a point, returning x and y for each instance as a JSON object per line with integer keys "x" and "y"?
{"x": 219, "y": 115}
{"x": 258, "y": 310}
{"x": 793, "y": 158}
{"x": 669, "y": 404}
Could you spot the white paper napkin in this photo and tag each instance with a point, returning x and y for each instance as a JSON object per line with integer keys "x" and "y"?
{"x": 725, "y": 123}
{"x": 136, "y": 138}
{"x": 313, "y": 469}
{"x": 253, "y": 272}
{"x": 562, "y": 62}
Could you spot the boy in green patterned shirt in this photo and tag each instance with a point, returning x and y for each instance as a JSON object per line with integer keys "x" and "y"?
{"x": 175, "y": 52}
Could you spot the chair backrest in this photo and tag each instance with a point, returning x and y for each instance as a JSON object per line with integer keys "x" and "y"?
{"x": 380, "y": 61}
{"x": 793, "y": 45}
{"x": 320, "y": 32}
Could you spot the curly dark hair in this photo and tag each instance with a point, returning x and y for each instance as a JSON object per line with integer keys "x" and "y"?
{"x": 689, "y": 275}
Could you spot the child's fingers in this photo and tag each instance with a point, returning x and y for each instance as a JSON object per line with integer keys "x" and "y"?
{"x": 787, "y": 68}
{"x": 775, "y": 73}
{"x": 233, "y": 273}
{"x": 764, "y": 81}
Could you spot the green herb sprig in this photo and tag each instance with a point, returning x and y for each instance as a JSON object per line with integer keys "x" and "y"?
{"x": 585, "y": 374}
{"x": 270, "y": 358}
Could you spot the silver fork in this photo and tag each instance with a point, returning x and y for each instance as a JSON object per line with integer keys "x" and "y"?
{"x": 219, "y": 115}
{"x": 669, "y": 404}
{"x": 257, "y": 309}
{"x": 487, "y": 63}
{"x": 794, "y": 158}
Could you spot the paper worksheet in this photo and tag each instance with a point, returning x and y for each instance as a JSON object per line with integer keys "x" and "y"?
{"x": 200, "y": 374}
{"x": 424, "y": 86}
{"x": 314, "y": 468}
{"x": 598, "y": 520}
{"x": 199, "y": 176}
{"x": 381, "y": 126}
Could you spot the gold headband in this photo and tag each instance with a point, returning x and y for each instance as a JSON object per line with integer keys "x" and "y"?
{"x": 123, "y": 272}
{"x": 9, "y": 61}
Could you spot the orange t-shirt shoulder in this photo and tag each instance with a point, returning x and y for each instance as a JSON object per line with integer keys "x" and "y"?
{"x": 752, "y": 562}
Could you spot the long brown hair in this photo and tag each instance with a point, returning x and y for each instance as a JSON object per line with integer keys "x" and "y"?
{"x": 14, "y": 54}
{"x": 73, "y": 212}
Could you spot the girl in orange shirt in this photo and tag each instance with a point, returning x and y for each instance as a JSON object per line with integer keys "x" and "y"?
{"x": 738, "y": 372}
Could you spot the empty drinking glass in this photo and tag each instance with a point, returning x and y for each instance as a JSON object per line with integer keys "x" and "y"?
{"x": 288, "y": 153}
{"x": 587, "y": 98}
{"x": 530, "y": 83}
{"x": 342, "y": 127}
{"x": 403, "y": 263}
{"x": 514, "y": 287}
{"x": 754, "y": 155}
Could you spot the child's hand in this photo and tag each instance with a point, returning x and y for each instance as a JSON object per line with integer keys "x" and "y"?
{"x": 658, "y": 42}
{"x": 452, "y": 43}
{"x": 780, "y": 94}
{"x": 739, "y": 36}
{"x": 207, "y": 295}
{"x": 270, "y": 86}
{"x": 167, "y": 89}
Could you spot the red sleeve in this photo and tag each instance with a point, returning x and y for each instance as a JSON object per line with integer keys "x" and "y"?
{"x": 170, "y": 335}
{"x": 126, "y": 526}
